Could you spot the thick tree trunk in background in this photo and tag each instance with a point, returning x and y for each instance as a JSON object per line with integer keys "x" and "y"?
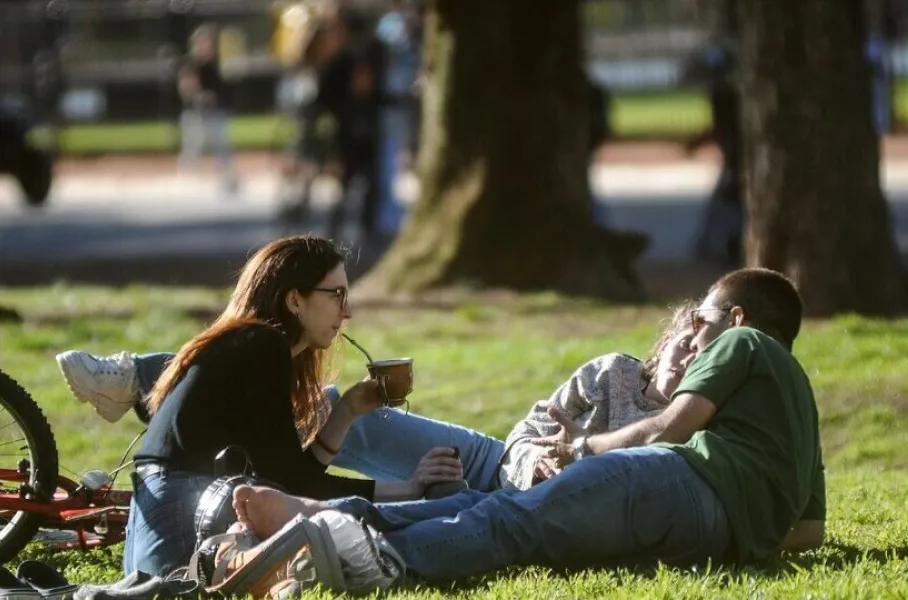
{"x": 812, "y": 187}
{"x": 503, "y": 161}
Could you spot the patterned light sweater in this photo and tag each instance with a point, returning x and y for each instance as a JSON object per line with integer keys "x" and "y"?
{"x": 604, "y": 394}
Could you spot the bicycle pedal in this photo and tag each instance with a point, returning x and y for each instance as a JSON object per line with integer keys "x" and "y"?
{"x": 50, "y": 536}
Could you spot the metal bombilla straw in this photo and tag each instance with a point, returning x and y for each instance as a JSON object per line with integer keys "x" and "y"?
{"x": 358, "y": 347}
{"x": 381, "y": 382}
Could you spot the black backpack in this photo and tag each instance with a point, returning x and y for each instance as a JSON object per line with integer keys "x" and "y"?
{"x": 214, "y": 513}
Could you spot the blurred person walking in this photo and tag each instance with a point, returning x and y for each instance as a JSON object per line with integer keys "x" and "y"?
{"x": 205, "y": 103}
{"x": 719, "y": 237}
{"x": 347, "y": 61}
{"x": 400, "y": 32}
{"x": 349, "y": 88}
{"x": 600, "y": 133}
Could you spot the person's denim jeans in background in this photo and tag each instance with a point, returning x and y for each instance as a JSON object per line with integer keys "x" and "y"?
{"x": 160, "y": 534}
{"x": 395, "y": 138}
{"x": 386, "y": 444}
{"x": 635, "y": 506}
{"x": 201, "y": 128}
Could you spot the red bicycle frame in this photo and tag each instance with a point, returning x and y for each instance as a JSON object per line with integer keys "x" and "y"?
{"x": 96, "y": 516}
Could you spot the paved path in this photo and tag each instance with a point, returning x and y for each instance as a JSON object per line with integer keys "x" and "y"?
{"x": 145, "y": 216}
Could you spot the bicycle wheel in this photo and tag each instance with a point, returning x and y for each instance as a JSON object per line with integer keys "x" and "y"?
{"x": 26, "y": 443}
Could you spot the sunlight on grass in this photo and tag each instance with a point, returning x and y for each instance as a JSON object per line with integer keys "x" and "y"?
{"x": 248, "y": 132}
{"x": 669, "y": 115}
{"x": 482, "y": 363}
{"x": 647, "y": 115}
{"x": 663, "y": 114}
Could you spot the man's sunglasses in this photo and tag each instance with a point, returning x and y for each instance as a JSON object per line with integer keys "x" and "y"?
{"x": 340, "y": 292}
{"x": 697, "y": 320}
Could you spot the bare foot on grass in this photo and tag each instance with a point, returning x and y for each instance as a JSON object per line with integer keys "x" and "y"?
{"x": 265, "y": 510}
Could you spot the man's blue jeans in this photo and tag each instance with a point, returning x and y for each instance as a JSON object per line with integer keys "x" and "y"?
{"x": 635, "y": 506}
{"x": 386, "y": 444}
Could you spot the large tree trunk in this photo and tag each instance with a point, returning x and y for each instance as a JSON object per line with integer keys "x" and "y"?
{"x": 503, "y": 162}
{"x": 812, "y": 187}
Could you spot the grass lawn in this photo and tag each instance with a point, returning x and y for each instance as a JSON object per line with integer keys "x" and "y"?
{"x": 657, "y": 115}
{"x": 482, "y": 364}
{"x": 668, "y": 115}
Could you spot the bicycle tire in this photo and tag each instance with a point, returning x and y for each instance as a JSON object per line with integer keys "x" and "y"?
{"x": 21, "y": 528}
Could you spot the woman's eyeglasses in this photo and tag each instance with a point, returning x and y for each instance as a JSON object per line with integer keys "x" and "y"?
{"x": 339, "y": 292}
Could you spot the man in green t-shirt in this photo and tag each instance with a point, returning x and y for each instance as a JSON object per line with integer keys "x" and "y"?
{"x": 760, "y": 449}
{"x": 731, "y": 470}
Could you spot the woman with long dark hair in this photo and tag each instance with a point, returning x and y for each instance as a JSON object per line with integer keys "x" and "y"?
{"x": 254, "y": 379}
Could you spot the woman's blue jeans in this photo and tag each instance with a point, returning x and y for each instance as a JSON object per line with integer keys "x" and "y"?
{"x": 160, "y": 533}
{"x": 386, "y": 444}
{"x": 626, "y": 507}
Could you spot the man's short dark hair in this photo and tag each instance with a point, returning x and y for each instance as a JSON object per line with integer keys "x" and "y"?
{"x": 770, "y": 301}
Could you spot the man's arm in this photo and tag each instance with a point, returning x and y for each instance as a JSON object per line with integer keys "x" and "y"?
{"x": 710, "y": 380}
{"x": 805, "y": 535}
{"x": 687, "y": 414}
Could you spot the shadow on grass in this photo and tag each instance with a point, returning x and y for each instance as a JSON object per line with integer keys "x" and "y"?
{"x": 103, "y": 565}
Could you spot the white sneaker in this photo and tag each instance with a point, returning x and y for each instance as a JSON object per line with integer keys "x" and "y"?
{"x": 108, "y": 382}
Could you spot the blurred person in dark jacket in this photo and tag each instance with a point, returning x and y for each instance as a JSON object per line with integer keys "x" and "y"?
{"x": 719, "y": 237}
{"x": 600, "y": 132}
{"x": 205, "y": 106}
{"x": 348, "y": 64}
{"x": 20, "y": 154}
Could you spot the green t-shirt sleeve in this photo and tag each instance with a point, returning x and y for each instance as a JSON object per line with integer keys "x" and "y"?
{"x": 721, "y": 368}
{"x": 816, "y": 505}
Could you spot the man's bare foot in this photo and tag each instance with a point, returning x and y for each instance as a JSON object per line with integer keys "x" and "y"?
{"x": 265, "y": 510}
